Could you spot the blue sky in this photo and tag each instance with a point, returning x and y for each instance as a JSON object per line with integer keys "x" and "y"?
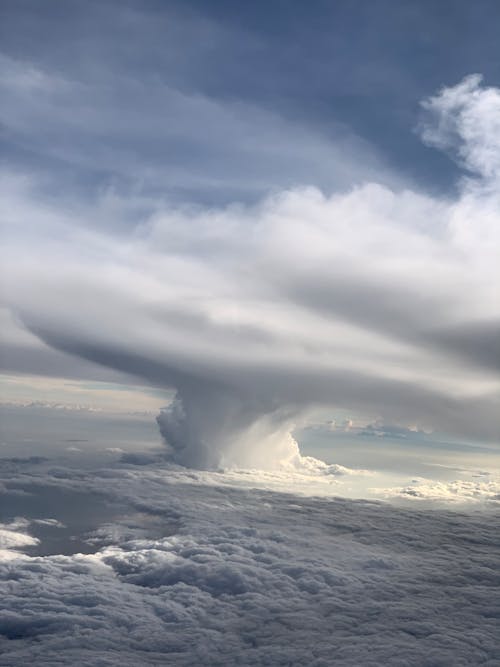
{"x": 160, "y": 84}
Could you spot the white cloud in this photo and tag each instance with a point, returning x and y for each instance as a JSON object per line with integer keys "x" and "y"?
{"x": 12, "y": 539}
{"x": 469, "y": 123}
{"x": 457, "y": 491}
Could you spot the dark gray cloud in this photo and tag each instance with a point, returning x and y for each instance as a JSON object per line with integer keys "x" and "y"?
{"x": 402, "y": 312}
{"x": 47, "y": 361}
{"x": 477, "y": 341}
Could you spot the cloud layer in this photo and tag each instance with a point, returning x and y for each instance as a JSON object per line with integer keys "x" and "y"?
{"x": 378, "y": 301}
{"x": 249, "y": 577}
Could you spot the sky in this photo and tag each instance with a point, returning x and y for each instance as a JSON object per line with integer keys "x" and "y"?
{"x": 250, "y": 318}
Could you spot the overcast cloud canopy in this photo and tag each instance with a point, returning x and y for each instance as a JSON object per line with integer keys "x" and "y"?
{"x": 217, "y": 575}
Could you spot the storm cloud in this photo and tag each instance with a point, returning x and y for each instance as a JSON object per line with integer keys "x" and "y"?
{"x": 375, "y": 300}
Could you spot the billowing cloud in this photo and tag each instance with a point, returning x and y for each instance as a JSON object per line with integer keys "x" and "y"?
{"x": 468, "y": 124}
{"x": 250, "y": 577}
{"x": 373, "y": 300}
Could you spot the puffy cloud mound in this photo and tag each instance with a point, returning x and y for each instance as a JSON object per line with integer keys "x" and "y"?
{"x": 214, "y": 428}
{"x": 468, "y": 122}
{"x": 13, "y": 538}
{"x": 374, "y": 300}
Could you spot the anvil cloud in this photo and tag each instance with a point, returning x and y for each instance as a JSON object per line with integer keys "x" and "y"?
{"x": 378, "y": 300}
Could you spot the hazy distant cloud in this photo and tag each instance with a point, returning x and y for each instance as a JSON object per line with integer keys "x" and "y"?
{"x": 484, "y": 489}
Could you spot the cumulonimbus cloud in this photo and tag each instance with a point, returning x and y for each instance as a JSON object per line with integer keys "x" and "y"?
{"x": 374, "y": 300}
